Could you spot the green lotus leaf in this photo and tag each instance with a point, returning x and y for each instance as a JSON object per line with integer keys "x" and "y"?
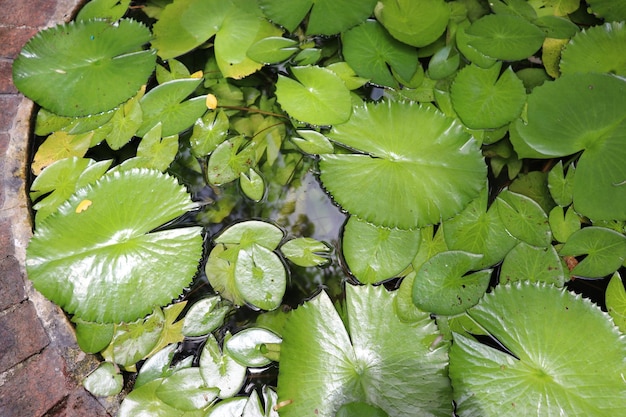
{"x": 186, "y": 390}
{"x": 410, "y": 155}
{"x": 581, "y": 112}
{"x": 312, "y": 142}
{"x": 166, "y": 104}
{"x": 159, "y": 366}
{"x": 375, "y": 253}
{"x": 252, "y": 232}
{"x": 272, "y": 50}
{"x": 542, "y": 328}
{"x": 609, "y": 9}
{"x": 260, "y": 277}
{"x": 83, "y": 68}
{"x": 519, "y": 8}
{"x": 557, "y": 27}
{"x": 229, "y": 407}
{"x": 243, "y": 26}
{"x": 144, "y": 401}
{"x": 472, "y": 54}
{"x": 247, "y": 347}
{"x": 305, "y": 252}
{"x": 252, "y": 185}
{"x": 186, "y": 24}
{"x": 480, "y": 231}
{"x": 414, "y": 22}
{"x": 616, "y": 301}
{"x": 93, "y": 337}
{"x": 374, "y": 54}
{"x": 596, "y": 49}
{"x": 444, "y": 286}
{"x": 561, "y": 7}
{"x": 327, "y": 17}
{"x": 106, "y": 380}
{"x": 318, "y": 96}
{"x": 204, "y": 316}
{"x": 486, "y": 99}
{"x": 443, "y": 64}
{"x": 220, "y": 370}
{"x": 605, "y": 251}
{"x": 563, "y": 223}
{"x": 561, "y": 184}
{"x": 398, "y": 367}
{"x": 125, "y": 122}
{"x": 230, "y": 159}
{"x": 524, "y": 219}
{"x": 505, "y": 37}
{"x": 526, "y": 262}
{"x": 59, "y": 181}
{"x": 209, "y": 131}
{"x": 99, "y": 250}
{"x": 103, "y": 9}
{"x": 360, "y": 409}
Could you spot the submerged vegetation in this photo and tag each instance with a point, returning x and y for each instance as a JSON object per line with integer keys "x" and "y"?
{"x": 336, "y": 207}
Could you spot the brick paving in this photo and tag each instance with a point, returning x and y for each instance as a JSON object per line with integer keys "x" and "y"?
{"x": 40, "y": 365}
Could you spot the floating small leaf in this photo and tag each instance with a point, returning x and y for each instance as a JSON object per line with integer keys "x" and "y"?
{"x": 105, "y": 381}
{"x": 247, "y": 346}
{"x": 375, "y": 253}
{"x": 444, "y": 286}
{"x": 616, "y": 301}
{"x": 605, "y": 251}
{"x": 526, "y": 262}
{"x": 318, "y": 96}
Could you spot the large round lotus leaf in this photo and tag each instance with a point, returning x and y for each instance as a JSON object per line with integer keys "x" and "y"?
{"x": 83, "y": 68}
{"x": 412, "y": 166}
{"x": 545, "y": 371}
{"x": 609, "y": 9}
{"x": 327, "y": 17}
{"x": 414, "y": 22}
{"x": 98, "y": 256}
{"x": 397, "y": 366}
{"x": 597, "y": 49}
{"x": 582, "y": 112}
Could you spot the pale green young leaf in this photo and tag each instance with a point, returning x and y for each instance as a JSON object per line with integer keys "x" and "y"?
{"x": 186, "y": 390}
{"x": 105, "y": 381}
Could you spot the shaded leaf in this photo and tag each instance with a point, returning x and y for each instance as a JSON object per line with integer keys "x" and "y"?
{"x": 616, "y": 301}
{"x": 443, "y": 284}
{"x": 327, "y": 17}
{"x": 373, "y": 53}
{"x": 604, "y": 250}
{"x": 414, "y": 22}
{"x": 526, "y": 262}
{"x": 505, "y": 37}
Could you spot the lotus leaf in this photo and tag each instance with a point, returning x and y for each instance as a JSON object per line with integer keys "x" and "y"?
{"x": 396, "y": 366}
{"x": 373, "y": 53}
{"x": 616, "y": 301}
{"x": 375, "y": 253}
{"x": 106, "y": 380}
{"x": 526, "y": 262}
{"x": 604, "y": 250}
{"x": 86, "y": 67}
{"x": 108, "y": 251}
{"x": 540, "y": 365}
{"x": 443, "y": 284}
{"x": 597, "y": 49}
{"x": 581, "y": 112}
{"x": 414, "y": 22}
{"x": 505, "y": 37}
{"x": 409, "y": 155}
{"x": 186, "y": 390}
{"x": 327, "y": 17}
{"x": 486, "y": 99}
{"x": 318, "y": 96}
{"x": 609, "y": 9}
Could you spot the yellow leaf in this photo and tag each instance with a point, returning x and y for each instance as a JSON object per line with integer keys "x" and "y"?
{"x": 60, "y": 145}
{"x": 211, "y": 102}
{"x": 83, "y": 205}
{"x": 551, "y": 55}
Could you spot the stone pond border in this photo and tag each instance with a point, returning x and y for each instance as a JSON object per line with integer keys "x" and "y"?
{"x": 41, "y": 367}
